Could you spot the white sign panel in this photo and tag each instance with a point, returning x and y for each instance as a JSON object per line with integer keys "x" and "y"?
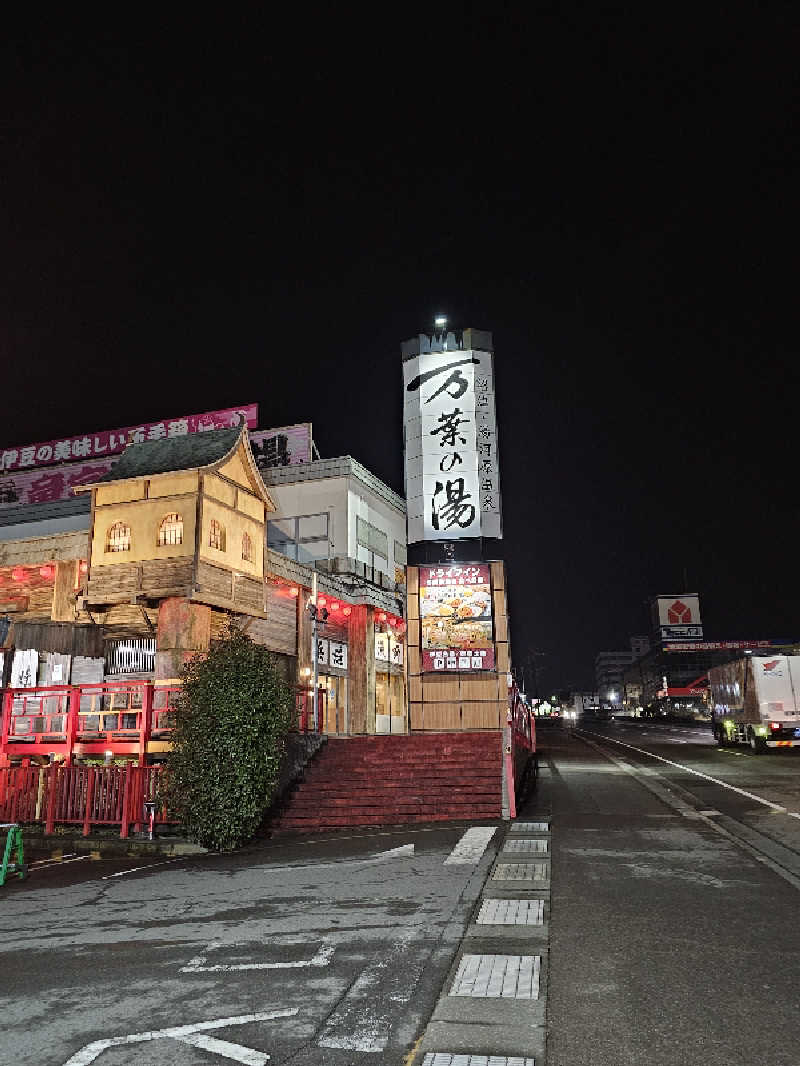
{"x": 322, "y": 652}
{"x": 395, "y": 652}
{"x": 452, "y": 472}
{"x": 678, "y": 610}
{"x": 338, "y": 654}
{"x": 382, "y": 647}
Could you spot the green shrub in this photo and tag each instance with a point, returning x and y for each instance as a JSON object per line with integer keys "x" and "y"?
{"x": 230, "y": 729}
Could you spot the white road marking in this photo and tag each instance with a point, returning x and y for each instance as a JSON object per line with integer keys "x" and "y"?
{"x": 470, "y": 847}
{"x": 322, "y": 958}
{"x": 236, "y": 1052}
{"x": 136, "y": 869}
{"x": 498, "y": 976}
{"x": 90, "y": 1052}
{"x": 446, "y": 1058}
{"x": 511, "y": 912}
{"x": 520, "y": 871}
{"x": 705, "y": 777}
{"x": 43, "y": 864}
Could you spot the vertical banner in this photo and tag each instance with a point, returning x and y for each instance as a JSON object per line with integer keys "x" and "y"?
{"x": 452, "y": 469}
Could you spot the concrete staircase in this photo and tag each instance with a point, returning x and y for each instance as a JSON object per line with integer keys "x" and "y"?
{"x": 391, "y": 780}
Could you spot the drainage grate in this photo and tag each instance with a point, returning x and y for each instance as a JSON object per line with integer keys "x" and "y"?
{"x": 538, "y": 847}
{"x": 498, "y": 977}
{"x": 520, "y": 871}
{"x": 511, "y": 912}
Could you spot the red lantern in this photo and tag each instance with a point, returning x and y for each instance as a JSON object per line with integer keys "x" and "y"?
{"x": 294, "y": 591}
{"x": 321, "y": 601}
{"x": 18, "y": 573}
{"x": 47, "y": 571}
{"x": 347, "y": 611}
{"x": 335, "y": 605}
{"x": 84, "y": 566}
{"x": 382, "y": 616}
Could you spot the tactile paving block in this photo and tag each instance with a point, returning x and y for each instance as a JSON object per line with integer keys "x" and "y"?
{"x": 445, "y": 1058}
{"x": 511, "y": 912}
{"x": 498, "y": 977}
{"x": 520, "y": 871}
{"x": 522, "y": 847}
{"x": 530, "y": 827}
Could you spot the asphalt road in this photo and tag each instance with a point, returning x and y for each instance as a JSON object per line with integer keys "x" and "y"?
{"x": 671, "y": 885}
{"x": 322, "y": 951}
{"x": 673, "y": 931}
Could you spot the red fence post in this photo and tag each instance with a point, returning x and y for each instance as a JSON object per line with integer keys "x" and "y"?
{"x": 126, "y": 801}
{"x": 147, "y": 722}
{"x": 87, "y": 817}
{"x": 73, "y": 708}
{"x": 52, "y": 783}
{"x": 5, "y": 725}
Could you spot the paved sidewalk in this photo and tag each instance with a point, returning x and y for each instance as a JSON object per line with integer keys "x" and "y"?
{"x": 491, "y": 1011}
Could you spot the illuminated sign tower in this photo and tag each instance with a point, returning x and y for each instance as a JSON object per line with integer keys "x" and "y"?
{"x": 457, "y": 621}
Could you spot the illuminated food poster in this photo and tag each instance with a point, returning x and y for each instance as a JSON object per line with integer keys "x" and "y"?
{"x": 455, "y": 609}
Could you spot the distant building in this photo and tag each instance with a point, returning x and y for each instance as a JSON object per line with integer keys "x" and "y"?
{"x": 609, "y": 670}
{"x": 640, "y": 646}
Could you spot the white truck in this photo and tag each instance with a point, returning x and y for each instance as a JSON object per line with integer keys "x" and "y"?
{"x": 756, "y": 701}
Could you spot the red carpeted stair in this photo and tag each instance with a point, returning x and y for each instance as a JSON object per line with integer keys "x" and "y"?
{"x": 389, "y": 780}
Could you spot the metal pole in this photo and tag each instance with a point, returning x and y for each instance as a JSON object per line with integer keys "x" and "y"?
{"x": 314, "y": 663}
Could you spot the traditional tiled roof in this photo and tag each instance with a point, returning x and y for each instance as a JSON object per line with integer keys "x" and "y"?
{"x": 172, "y": 454}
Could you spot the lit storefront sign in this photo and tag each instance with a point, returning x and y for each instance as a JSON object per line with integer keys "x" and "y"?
{"x": 452, "y": 473}
{"x": 455, "y": 609}
{"x": 332, "y": 653}
{"x": 388, "y": 649}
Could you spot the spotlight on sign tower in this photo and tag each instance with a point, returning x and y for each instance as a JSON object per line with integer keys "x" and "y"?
{"x": 440, "y": 323}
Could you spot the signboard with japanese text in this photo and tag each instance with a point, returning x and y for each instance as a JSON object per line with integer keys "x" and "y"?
{"x": 46, "y": 482}
{"x": 284, "y": 446}
{"x": 455, "y": 609}
{"x": 332, "y": 653}
{"x": 719, "y": 645}
{"x": 338, "y": 655}
{"x": 112, "y": 442}
{"x": 452, "y": 472}
{"x": 388, "y": 649}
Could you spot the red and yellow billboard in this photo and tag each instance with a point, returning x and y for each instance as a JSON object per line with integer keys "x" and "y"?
{"x": 455, "y": 610}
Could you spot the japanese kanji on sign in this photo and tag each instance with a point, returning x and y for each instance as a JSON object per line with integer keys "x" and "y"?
{"x": 452, "y": 473}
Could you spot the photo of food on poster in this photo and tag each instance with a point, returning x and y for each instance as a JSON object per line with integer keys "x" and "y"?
{"x": 455, "y": 608}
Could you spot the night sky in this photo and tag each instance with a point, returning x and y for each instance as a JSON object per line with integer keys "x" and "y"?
{"x": 197, "y": 214}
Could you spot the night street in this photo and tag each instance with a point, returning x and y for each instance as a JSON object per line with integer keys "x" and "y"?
{"x": 669, "y": 926}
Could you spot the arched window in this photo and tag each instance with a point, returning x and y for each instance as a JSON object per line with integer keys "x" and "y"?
{"x": 247, "y": 548}
{"x": 171, "y": 530}
{"x": 118, "y": 538}
{"x": 216, "y": 536}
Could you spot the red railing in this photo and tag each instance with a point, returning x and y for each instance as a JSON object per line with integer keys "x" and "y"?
{"x": 519, "y": 745}
{"x": 80, "y": 795}
{"x": 121, "y": 717}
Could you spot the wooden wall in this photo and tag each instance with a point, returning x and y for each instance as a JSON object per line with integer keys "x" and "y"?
{"x": 454, "y": 701}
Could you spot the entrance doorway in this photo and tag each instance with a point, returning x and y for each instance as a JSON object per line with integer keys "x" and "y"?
{"x": 390, "y": 703}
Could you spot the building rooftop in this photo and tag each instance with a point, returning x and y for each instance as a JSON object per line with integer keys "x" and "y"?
{"x": 344, "y": 466}
{"x": 171, "y": 454}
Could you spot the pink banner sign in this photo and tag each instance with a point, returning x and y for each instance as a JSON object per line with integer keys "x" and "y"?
{"x": 285, "y": 446}
{"x": 112, "y": 442}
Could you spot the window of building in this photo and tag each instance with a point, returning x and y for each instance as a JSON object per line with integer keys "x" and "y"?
{"x": 247, "y": 548}
{"x": 118, "y": 538}
{"x": 216, "y": 537}
{"x": 372, "y": 538}
{"x": 171, "y": 530}
{"x": 400, "y": 554}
